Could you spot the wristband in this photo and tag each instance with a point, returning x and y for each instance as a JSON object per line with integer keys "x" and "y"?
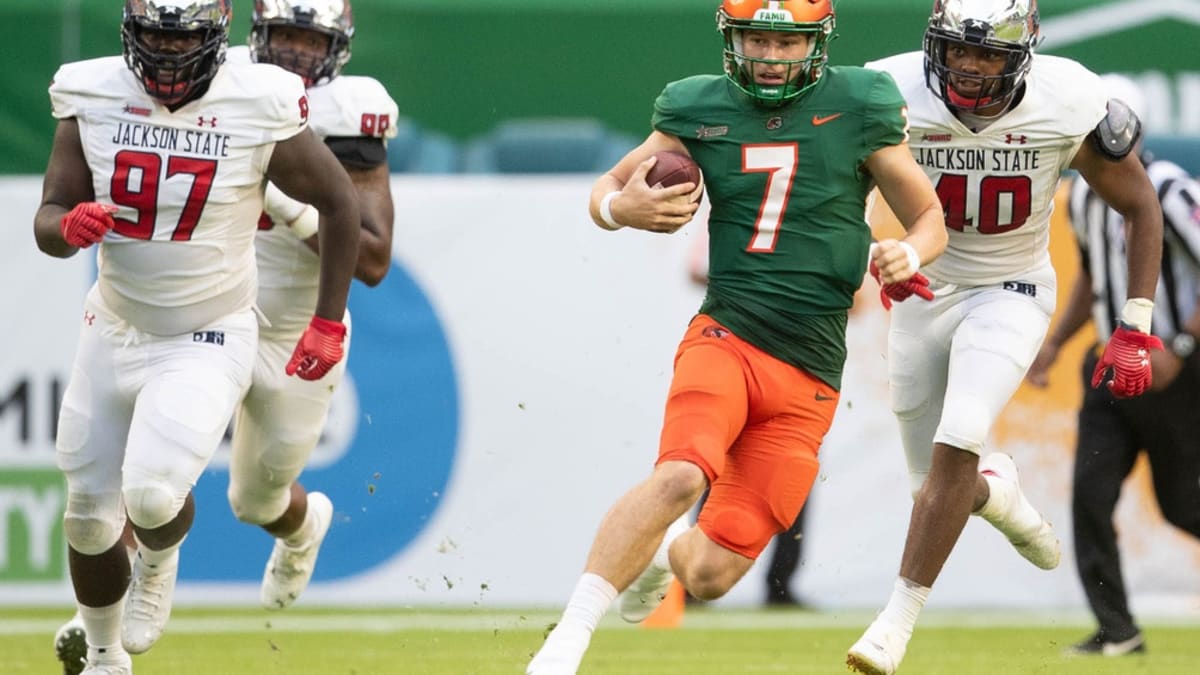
{"x": 306, "y": 224}
{"x": 606, "y": 210}
{"x": 1137, "y": 312}
{"x": 914, "y": 260}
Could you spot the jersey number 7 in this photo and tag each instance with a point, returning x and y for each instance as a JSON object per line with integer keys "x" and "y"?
{"x": 141, "y": 193}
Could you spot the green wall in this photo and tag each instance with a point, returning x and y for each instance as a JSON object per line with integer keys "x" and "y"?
{"x": 461, "y": 67}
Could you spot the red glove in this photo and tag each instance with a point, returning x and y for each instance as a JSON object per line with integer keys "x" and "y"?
{"x": 319, "y": 349}
{"x": 917, "y": 285}
{"x": 1128, "y": 354}
{"x": 87, "y": 223}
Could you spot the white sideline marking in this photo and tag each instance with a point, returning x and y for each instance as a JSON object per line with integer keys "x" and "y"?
{"x": 718, "y": 619}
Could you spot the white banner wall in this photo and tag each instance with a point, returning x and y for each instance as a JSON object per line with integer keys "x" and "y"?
{"x": 559, "y": 339}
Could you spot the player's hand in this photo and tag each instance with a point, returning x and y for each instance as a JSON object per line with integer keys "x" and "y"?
{"x": 917, "y": 284}
{"x": 319, "y": 349}
{"x": 1127, "y": 356}
{"x": 87, "y": 223}
{"x": 654, "y": 209}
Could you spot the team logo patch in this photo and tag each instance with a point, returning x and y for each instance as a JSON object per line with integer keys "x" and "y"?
{"x": 714, "y": 332}
{"x": 1021, "y": 287}
{"x": 213, "y": 337}
{"x": 711, "y": 132}
{"x": 137, "y": 110}
{"x": 775, "y": 123}
{"x": 936, "y": 138}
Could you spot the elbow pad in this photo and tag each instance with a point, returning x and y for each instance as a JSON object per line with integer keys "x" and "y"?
{"x": 1118, "y": 132}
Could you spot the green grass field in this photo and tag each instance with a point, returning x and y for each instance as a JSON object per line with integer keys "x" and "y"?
{"x": 711, "y": 642}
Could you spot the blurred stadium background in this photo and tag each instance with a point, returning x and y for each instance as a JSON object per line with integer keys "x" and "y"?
{"x": 506, "y": 381}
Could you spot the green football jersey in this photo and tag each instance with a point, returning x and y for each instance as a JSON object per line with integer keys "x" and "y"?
{"x": 788, "y": 235}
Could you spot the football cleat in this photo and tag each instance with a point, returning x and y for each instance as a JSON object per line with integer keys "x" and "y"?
{"x": 879, "y": 651}
{"x": 1101, "y": 645}
{"x": 108, "y": 663}
{"x": 1009, "y": 511}
{"x": 148, "y": 605}
{"x": 290, "y": 569}
{"x": 70, "y": 645}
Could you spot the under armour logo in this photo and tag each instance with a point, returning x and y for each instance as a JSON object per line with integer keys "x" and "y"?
{"x": 88, "y": 317}
{"x": 1018, "y": 138}
{"x": 211, "y": 121}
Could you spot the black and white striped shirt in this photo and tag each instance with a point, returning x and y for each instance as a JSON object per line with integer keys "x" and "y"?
{"x": 1100, "y": 232}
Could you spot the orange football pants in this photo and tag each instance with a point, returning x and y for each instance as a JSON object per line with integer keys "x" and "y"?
{"x": 753, "y": 424}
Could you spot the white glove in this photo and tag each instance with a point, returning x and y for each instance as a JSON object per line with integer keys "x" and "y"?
{"x": 300, "y": 217}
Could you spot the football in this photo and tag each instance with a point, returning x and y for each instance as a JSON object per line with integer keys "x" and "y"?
{"x": 674, "y": 168}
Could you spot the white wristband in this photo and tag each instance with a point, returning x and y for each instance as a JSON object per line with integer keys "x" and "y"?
{"x": 1137, "y": 312}
{"x": 606, "y": 210}
{"x": 306, "y": 224}
{"x": 914, "y": 260}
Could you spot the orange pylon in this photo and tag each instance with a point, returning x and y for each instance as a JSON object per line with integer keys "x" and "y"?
{"x": 670, "y": 613}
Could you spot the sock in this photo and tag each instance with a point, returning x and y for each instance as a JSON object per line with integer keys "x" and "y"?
{"x": 103, "y": 625}
{"x": 304, "y": 533}
{"x": 566, "y": 644}
{"x": 662, "y": 557}
{"x": 152, "y": 558}
{"x": 589, "y": 601}
{"x": 905, "y": 604}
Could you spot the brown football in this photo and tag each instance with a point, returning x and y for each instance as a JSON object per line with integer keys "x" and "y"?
{"x": 674, "y": 168}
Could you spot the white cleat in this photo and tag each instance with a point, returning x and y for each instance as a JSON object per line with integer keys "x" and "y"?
{"x": 148, "y": 605}
{"x": 647, "y": 592}
{"x": 1009, "y": 511}
{"x": 70, "y": 645}
{"x": 879, "y": 651}
{"x": 290, "y": 569}
{"x": 108, "y": 663}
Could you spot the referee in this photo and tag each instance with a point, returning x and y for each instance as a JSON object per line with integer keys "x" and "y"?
{"x": 1164, "y": 422}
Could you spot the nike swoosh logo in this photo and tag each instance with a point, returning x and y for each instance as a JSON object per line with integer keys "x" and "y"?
{"x": 818, "y": 120}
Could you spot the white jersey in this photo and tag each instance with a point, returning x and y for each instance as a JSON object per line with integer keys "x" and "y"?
{"x": 189, "y": 185}
{"x": 347, "y": 106}
{"x": 997, "y": 184}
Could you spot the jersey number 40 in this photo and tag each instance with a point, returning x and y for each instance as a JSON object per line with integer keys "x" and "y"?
{"x": 1004, "y": 202}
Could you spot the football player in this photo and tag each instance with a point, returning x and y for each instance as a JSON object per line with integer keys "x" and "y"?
{"x": 159, "y": 159}
{"x": 789, "y": 148}
{"x": 994, "y": 125}
{"x": 279, "y": 421}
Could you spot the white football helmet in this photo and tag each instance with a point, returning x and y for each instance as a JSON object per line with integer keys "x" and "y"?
{"x": 1008, "y": 26}
{"x": 330, "y": 17}
{"x": 174, "y": 78}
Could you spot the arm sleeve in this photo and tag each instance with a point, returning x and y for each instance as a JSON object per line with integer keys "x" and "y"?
{"x": 360, "y": 152}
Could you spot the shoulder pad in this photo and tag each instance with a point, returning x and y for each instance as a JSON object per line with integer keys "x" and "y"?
{"x": 1118, "y": 132}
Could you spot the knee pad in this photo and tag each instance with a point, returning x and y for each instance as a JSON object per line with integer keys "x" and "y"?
{"x": 737, "y": 528}
{"x": 152, "y": 505}
{"x": 260, "y": 505}
{"x": 90, "y": 528}
{"x": 966, "y": 421}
